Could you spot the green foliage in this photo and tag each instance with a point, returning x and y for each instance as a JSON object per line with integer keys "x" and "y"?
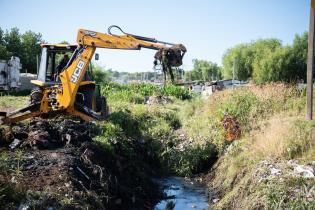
{"x": 10, "y": 196}
{"x": 107, "y": 133}
{"x": 135, "y": 93}
{"x": 242, "y": 56}
{"x": 204, "y": 70}
{"x": 302, "y": 140}
{"x": 245, "y": 55}
{"x": 31, "y": 49}
{"x": 4, "y": 157}
{"x": 278, "y": 194}
{"x": 26, "y": 46}
{"x": 266, "y": 60}
{"x": 127, "y": 122}
{"x": 100, "y": 76}
{"x": 177, "y": 92}
{"x": 145, "y": 89}
{"x": 13, "y": 102}
{"x": 194, "y": 159}
{"x": 239, "y": 105}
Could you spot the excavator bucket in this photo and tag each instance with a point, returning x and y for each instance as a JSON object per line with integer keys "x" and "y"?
{"x": 171, "y": 56}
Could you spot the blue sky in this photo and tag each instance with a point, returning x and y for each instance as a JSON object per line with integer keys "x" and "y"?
{"x": 206, "y": 27}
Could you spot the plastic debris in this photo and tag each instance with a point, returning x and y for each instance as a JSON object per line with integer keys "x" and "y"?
{"x": 305, "y": 171}
{"x": 275, "y": 171}
{"x": 14, "y": 144}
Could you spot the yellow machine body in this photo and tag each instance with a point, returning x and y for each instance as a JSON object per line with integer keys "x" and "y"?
{"x": 61, "y": 94}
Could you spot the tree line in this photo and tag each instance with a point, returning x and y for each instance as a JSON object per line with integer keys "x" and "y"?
{"x": 26, "y": 46}
{"x": 263, "y": 60}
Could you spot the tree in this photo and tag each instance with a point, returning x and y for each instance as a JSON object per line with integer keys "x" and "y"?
{"x": 26, "y": 46}
{"x": 286, "y": 64}
{"x": 204, "y": 70}
{"x": 242, "y": 56}
{"x": 13, "y": 42}
{"x": 299, "y": 55}
{"x": 31, "y": 49}
{"x": 274, "y": 66}
{"x": 100, "y": 75}
{"x": 245, "y": 55}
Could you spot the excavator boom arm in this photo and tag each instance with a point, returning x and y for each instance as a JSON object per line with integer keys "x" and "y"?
{"x": 88, "y": 42}
{"x": 126, "y": 42}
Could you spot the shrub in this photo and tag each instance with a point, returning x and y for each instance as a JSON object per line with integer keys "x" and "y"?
{"x": 238, "y": 104}
{"x": 302, "y": 140}
{"x": 135, "y": 93}
{"x": 177, "y": 92}
{"x": 193, "y": 159}
{"x": 107, "y": 133}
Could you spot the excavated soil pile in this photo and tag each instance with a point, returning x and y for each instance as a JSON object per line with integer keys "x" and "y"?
{"x": 55, "y": 164}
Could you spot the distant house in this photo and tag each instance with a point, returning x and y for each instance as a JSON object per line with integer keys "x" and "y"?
{"x": 197, "y": 88}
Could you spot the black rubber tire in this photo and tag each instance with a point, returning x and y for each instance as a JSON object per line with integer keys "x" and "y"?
{"x": 101, "y": 106}
{"x": 85, "y": 95}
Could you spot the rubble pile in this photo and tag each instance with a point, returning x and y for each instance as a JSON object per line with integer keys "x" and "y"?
{"x": 158, "y": 100}
{"x": 268, "y": 170}
{"x": 55, "y": 164}
{"x": 46, "y": 134}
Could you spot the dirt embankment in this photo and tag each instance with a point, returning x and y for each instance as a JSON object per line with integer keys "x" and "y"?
{"x": 55, "y": 164}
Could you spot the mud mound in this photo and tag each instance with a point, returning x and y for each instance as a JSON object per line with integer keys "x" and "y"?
{"x": 55, "y": 164}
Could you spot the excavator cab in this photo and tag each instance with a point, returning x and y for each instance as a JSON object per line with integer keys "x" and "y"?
{"x": 53, "y": 61}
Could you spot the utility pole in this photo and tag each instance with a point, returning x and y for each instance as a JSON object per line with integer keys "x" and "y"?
{"x": 310, "y": 62}
{"x": 234, "y": 66}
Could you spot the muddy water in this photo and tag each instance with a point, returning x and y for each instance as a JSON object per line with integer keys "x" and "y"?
{"x": 186, "y": 194}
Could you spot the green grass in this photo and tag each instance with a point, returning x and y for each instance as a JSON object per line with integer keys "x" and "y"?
{"x": 135, "y": 93}
{"x": 12, "y": 102}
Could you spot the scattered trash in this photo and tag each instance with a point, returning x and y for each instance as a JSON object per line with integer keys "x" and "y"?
{"x": 83, "y": 173}
{"x": 39, "y": 138}
{"x": 275, "y": 171}
{"x": 158, "y": 100}
{"x": 271, "y": 169}
{"x": 24, "y": 207}
{"x": 14, "y": 144}
{"x": 305, "y": 171}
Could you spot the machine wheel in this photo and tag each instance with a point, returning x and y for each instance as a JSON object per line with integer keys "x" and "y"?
{"x": 85, "y": 95}
{"x": 101, "y": 106}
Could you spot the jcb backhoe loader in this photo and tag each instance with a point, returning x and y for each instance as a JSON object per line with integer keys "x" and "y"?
{"x": 68, "y": 87}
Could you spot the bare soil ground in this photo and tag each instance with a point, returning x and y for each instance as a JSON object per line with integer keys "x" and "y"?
{"x": 55, "y": 164}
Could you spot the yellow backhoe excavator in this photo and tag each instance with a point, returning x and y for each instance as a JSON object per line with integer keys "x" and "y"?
{"x": 69, "y": 88}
